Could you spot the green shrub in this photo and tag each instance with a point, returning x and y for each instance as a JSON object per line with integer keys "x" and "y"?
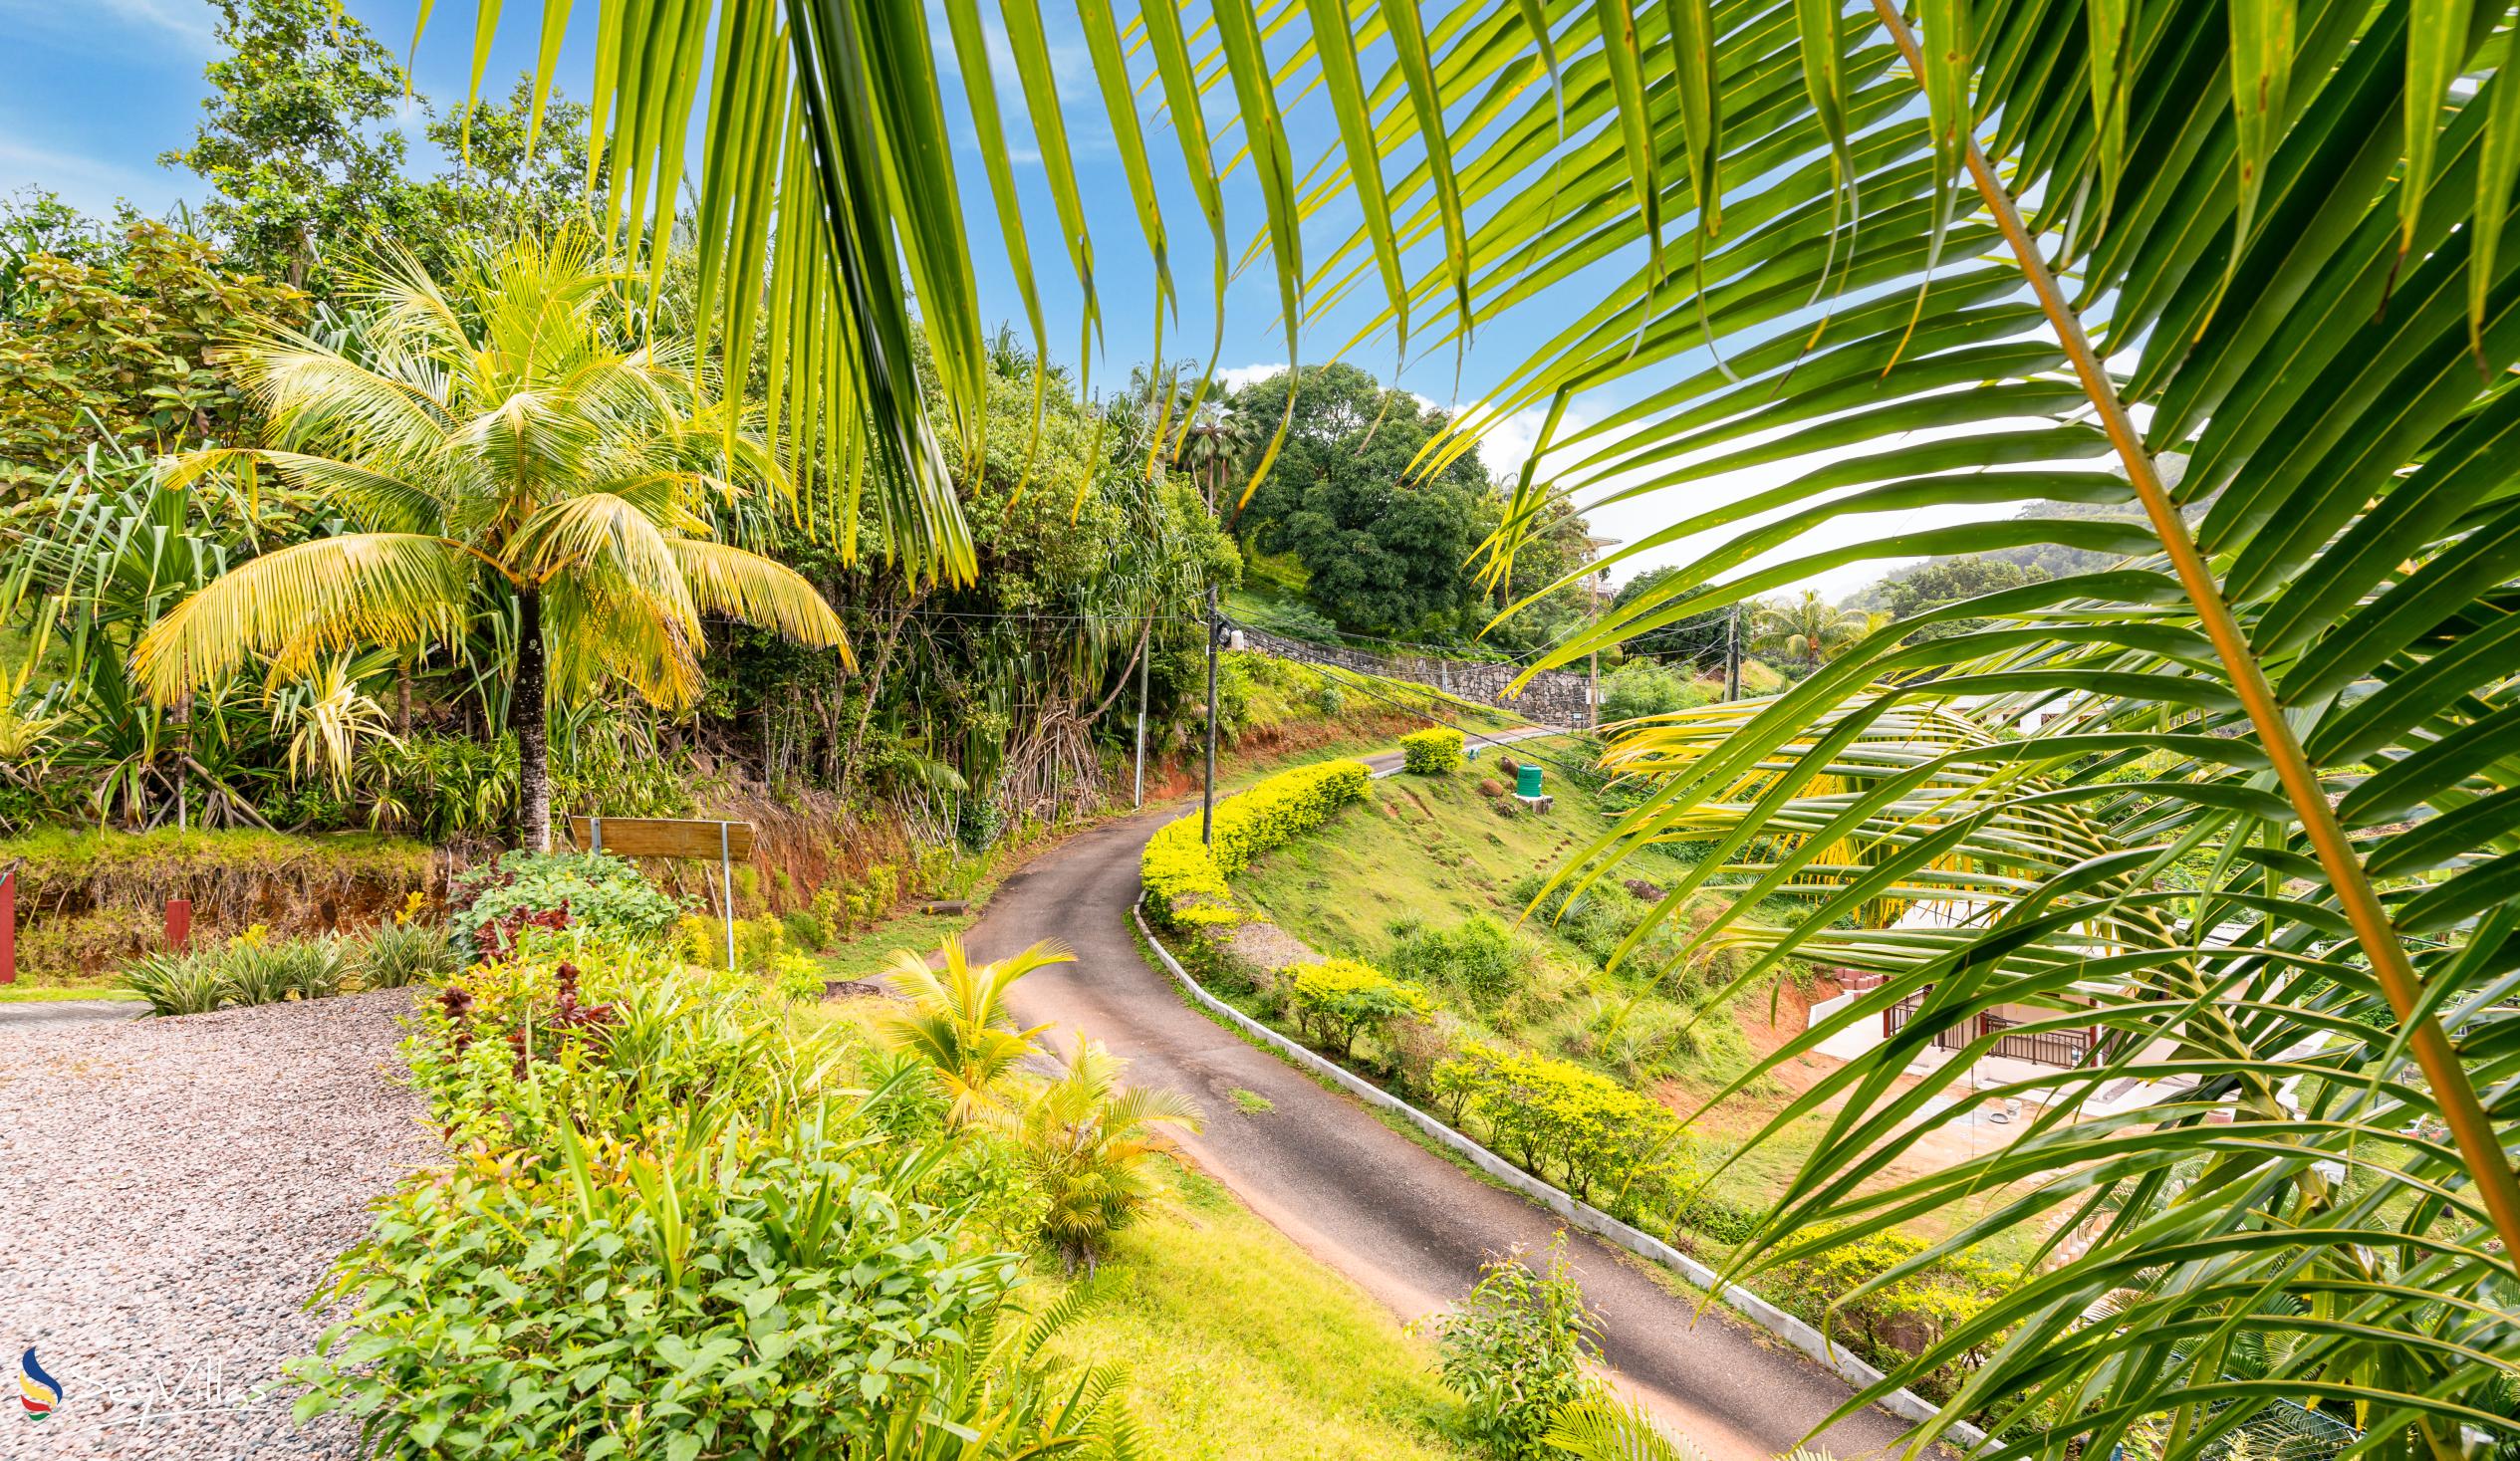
{"x": 1595, "y": 919}
{"x": 1643, "y": 688}
{"x": 805, "y": 931}
{"x": 1517, "y": 1352}
{"x": 1480, "y": 957}
{"x": 1336, "y": 1000}
{"x": 1894, "y": 1320}
{"x": 1187, "y": 879}
{"x": 176, "y": 983}
{"x": 664, "y": 1302}
{"x": 1433, "y": 752}
{"x": 1577, "y": 1127}
{"x": 597, "y": 892}
{"x": 399, "y": 953}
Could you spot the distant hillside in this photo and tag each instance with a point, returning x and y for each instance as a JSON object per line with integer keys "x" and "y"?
{"x": 2049, "y": 558}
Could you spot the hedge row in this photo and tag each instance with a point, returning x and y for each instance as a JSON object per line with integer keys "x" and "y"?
{"x": 1186, "y": 881}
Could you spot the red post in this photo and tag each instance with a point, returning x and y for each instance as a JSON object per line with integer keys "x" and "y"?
{"x": 9, "y": 926}
{"x": 179, "y": 924}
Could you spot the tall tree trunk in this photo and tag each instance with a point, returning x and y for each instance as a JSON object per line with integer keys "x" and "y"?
{"x": 529, "y": 710}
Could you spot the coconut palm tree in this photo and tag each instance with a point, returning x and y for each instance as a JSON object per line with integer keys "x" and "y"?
{"x": 958, "y": 1020}
{"x": 1809, "y": 628}
{"x": 506, "y": 447}
{"x": 1086, "y": 1136}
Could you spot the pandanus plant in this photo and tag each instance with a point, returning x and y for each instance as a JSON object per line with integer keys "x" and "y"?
{"x": 506, "y": 442}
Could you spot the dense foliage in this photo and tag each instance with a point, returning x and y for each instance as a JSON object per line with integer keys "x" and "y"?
{"x": 601, "y": 895}
{"x": 1520, "y": 1350}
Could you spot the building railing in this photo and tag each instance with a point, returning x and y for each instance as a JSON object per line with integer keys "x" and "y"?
{"x": 2067, "y": 1046}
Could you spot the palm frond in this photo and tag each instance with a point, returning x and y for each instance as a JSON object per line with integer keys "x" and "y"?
{"x": 345, "y": 593}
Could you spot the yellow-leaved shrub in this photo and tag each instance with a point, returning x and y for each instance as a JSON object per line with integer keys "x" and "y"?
{"x": 1186, "y": 881}
{"x": 1436, "y": 751}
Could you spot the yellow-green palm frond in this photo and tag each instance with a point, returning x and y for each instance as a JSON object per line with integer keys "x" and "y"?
{"x": 1603, "y": 1429}
{"x": 597, "y": 532}
{"x": 958, "y": 1020}
{"x": 322, "y": 400}
{"x": 350, "y": 592}
{"x": 327, "y": 717}
{"x": 604, "y": 631}
{"x": 759, "y": 590}
{"x": 380, "y": 502}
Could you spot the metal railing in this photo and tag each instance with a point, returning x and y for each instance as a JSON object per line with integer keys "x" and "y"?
{"x": 2043, "y": 1046}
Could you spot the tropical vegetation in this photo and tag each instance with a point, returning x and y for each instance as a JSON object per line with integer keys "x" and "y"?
{"x": 2219, "y": 288}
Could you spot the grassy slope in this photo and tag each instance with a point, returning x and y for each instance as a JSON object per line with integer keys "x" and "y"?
{"x": 1434, "y": 850}
{"x": 1238, "y": 1344}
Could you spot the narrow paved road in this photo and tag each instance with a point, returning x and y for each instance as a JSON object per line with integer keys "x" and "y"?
{"x": 1405, "y": 1224}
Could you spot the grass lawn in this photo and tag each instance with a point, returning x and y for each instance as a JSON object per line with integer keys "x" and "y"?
{"x": 1238, "y": 1344}
{"x": 22, "y": 994}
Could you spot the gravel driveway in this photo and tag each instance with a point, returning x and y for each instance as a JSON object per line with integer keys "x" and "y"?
{"x": 171, "y": 1191}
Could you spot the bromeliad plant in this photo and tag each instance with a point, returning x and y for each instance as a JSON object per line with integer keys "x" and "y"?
{"x": 509, "y": 445}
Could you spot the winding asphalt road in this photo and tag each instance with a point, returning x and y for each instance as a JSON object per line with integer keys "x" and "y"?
{"x": 1404, "y": 1223}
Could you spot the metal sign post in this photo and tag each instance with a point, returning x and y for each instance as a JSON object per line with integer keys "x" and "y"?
{"x": 726, "y": 880}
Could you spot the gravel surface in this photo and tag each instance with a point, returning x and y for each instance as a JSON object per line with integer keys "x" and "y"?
{"x": 171, "y": 1191}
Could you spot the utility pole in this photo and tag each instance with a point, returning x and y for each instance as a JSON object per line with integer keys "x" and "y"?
{"x": 1593, "y": 707}
{"x": 1732, "y": 654}
{"x": 1137, "y": 788}
{"x": 1208, "y": 798}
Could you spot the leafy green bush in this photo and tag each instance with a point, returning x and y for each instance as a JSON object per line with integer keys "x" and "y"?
{"x": 251, "y": 969}
{"x": 176, "y": 983}
{"x": 1643, "y": 688}
{"x": 684, "y": 1231}
{"x": 670, "y": 1300}
{"x": 597, "y": 892}
{"x": 1436, "y": 751}
{"x": 1481, "y": 957}
{"x": 1185, "y": 880}
{"x": 1516, "y": 1351}
{"x": 1336, "y": 1000}
{"x": 263, "y": 971}
{"x": 1595, "y": 919}
{"x": 1577, "y": 1127}
{"x": 806, "y": 932}
{"x": 1898, "y": 1318}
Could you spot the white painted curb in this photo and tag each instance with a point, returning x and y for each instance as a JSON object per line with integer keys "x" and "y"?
{"x": 1906, "y": 1405}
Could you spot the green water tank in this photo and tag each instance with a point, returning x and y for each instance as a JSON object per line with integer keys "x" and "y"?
{"x": 1526, "y": 780}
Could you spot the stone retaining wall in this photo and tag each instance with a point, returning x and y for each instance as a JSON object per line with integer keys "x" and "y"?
{"x": 1554, "y": 696}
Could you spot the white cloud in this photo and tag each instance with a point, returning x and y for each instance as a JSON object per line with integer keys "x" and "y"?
{"x": 112, "y": 27}
{"x": 86, "y": 183}
{"x": 1235, "y": 377}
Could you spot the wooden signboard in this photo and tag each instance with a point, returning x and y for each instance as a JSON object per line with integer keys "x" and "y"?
{"x": 659, "y": 836}
{"x": 669, "y": 836}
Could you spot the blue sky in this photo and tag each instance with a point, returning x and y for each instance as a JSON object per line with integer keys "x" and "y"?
{"x": 91, "y": 91}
